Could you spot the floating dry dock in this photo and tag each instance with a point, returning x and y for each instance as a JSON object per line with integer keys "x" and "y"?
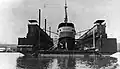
{"x": 103, "y": 44}
{"x": 37, "y": 41}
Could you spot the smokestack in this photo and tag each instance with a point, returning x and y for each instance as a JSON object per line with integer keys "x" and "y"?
{"x": 39, "y": 17}
{"x": 45, "y": 25}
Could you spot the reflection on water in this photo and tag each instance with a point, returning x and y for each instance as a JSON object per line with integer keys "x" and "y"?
{"x": 66, "y": 62}
{"x": 18, "y": 61}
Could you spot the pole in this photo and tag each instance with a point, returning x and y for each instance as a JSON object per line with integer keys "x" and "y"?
{"x": 39, "y": 25}
{"x": 45, "y": 25}
{"x": 39, "y": 17}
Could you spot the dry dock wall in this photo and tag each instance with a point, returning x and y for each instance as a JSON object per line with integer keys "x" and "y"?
{"x": 109, "y": 45}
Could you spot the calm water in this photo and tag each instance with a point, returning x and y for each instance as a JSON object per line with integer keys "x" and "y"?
{"x": 18, "y": 61}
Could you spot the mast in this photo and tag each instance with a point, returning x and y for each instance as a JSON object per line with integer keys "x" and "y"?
{"x": 66, "y": 17}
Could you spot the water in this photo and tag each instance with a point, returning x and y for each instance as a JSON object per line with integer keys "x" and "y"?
{"x": 18, "y": 61}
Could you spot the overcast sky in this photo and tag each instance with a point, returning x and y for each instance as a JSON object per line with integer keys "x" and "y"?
{"x": 14, "y": 15}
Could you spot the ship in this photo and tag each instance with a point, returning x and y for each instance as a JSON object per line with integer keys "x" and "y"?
{"x": 66, "y": 32}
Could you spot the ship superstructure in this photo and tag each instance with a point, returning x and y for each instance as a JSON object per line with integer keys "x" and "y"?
{"x": 66, "y": 32}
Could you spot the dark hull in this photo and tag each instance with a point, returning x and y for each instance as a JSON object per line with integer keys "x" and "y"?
{"x": 70, "y": 43}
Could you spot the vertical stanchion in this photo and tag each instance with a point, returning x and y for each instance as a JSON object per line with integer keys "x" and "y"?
{"x": 50, "y": 31}
{"x": 40, "y": 29}
{"x": 94, "y": 47}
{"x": 93, "y": 38}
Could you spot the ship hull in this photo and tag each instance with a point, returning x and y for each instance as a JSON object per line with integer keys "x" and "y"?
{"x": 67, "y": 43}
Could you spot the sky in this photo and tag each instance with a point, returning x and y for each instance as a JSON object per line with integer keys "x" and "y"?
{"x": 14, "y": 15}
